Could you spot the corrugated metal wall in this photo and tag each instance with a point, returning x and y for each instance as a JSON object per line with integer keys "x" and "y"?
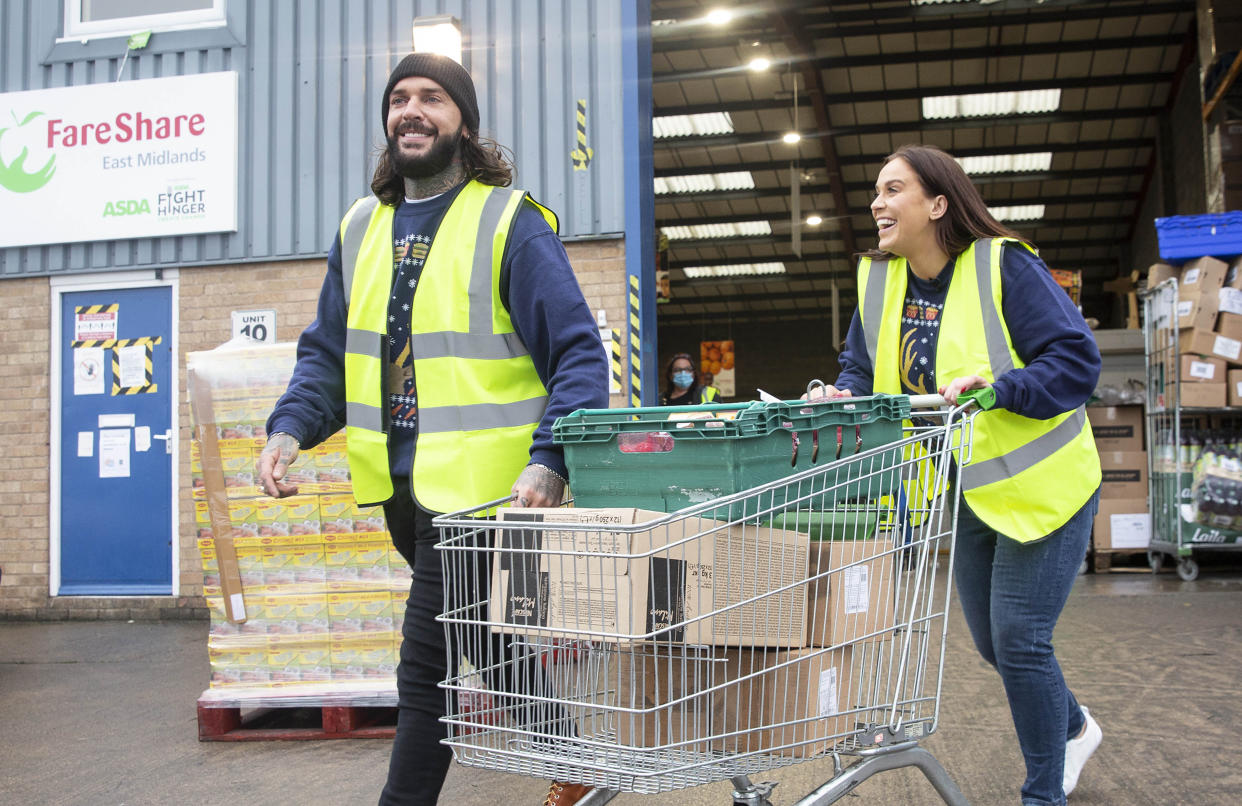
{"x": 310, "y": 74}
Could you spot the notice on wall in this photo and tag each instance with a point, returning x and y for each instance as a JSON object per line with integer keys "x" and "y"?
{"x": 716, "y": 360}
{"x": 133, "y": 362}
{"x": 114, "y": 453}
{"x": 86, "y": 444}
{"x": 142, "y": 439}
{"x": 88, "y": 371}
{"x": 95, "y": 323}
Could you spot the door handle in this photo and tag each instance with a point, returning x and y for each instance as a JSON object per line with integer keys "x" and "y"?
{"x": 167, "y": 437}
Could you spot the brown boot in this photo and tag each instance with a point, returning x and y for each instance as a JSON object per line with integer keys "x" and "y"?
{"x": 563, "y": 794}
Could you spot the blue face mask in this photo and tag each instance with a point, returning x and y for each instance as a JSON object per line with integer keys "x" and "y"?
{"x": 682, "y": 380}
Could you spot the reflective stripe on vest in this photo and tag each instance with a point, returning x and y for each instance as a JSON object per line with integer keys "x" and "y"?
{"x": 1026, "y": 477}
{"x": 477, "y": 389}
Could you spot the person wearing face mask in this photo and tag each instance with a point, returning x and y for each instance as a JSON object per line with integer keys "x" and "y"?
{"x": 953, "y": 300}
{"x": 680, "y": 389}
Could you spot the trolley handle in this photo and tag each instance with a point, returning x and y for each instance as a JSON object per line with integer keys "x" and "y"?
{"x": 983, "y": 398}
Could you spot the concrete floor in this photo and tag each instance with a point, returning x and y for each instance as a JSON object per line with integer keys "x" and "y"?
{"x": 103, "y": 713}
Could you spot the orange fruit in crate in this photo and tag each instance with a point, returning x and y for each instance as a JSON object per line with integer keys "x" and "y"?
{"x": 727, "y": 361}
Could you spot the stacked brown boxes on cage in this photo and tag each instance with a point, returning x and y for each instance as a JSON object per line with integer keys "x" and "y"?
{"x": 1209, "y": 321}
{"x": 306, "y": 593}
{"x": 750, "y": 636}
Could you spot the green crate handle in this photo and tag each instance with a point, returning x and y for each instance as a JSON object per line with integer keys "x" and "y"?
{"x": 752, "y": 419}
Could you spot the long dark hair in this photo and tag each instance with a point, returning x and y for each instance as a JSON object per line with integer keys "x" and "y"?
{"x": 668, "y": 373}
{"x": 967, "y": 218}
{"x": 483, "y": 159}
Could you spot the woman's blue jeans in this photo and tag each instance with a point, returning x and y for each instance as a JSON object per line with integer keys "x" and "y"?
{"x": 1012, "y": 594}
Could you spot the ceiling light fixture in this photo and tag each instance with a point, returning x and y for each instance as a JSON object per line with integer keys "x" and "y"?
{"x": 759, "y": 64}
{"x": 719, "y": 16}
{"x": 813, "y": 220}
{"x": 791, "y": 137}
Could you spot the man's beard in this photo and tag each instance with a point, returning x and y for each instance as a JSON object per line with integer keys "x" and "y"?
{"x": 437, "y": 158}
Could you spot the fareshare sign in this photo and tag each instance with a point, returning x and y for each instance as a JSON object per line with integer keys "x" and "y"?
{"x": 131, "y": 159}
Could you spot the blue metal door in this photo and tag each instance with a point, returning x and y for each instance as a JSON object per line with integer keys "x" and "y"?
{"x": 116, "y": 527}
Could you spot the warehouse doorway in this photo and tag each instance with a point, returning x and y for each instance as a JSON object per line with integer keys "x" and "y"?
{"x": 113, "y": 443}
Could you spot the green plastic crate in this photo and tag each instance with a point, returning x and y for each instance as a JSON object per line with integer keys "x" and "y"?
{"x": 836, "y": 524}
{"x": 649, "y": 458}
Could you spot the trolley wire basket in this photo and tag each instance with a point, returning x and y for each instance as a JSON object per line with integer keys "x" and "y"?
{"x": 646, "y": 652}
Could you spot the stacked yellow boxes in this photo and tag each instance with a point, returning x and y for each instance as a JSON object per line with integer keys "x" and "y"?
{"x": 322, "y": 588}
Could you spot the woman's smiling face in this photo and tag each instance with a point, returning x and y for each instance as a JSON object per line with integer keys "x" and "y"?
{"x": 903, "y": 211}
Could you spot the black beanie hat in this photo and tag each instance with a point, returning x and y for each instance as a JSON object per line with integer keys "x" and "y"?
{"x": 445, "y": 72}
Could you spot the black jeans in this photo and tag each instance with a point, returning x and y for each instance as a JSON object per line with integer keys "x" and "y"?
{"x": 419, "y": 762}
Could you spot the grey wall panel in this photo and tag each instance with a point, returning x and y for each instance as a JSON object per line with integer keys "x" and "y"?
{"x": 310, "y": 76}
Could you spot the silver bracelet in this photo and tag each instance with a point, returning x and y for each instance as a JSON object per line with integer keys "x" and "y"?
{"x": 550, "y": 470}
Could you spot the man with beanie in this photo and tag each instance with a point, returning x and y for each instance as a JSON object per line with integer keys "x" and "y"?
{"x": 450, "y": 334}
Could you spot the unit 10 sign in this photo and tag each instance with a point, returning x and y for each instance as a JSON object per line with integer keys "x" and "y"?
{"x": 256, "y": 325}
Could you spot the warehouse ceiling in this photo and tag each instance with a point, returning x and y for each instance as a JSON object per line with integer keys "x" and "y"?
{"x": 1064, "y": 156}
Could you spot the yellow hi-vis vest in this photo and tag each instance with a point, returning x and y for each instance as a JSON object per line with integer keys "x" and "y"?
{"x": 1026, "y": 477}
{"x": 479, "y": 396}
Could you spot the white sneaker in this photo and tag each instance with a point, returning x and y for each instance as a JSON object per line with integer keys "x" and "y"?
{"x": 1079, "y": 749}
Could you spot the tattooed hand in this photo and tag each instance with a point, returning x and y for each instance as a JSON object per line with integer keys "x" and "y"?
{"x": 538, "y": 486}
{"x": 279, "y": 452}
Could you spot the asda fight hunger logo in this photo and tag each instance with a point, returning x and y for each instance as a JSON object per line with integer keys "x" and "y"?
{"x": 13, "y": 173}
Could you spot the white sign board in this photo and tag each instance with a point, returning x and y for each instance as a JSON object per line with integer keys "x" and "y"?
{"x": 128, "y": 159}
{"x": 256, "y": 325}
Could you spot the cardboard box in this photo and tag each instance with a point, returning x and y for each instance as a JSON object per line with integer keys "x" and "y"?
{"x": 690, "y": 696}
{"x": 854, "y": 597}
{"x": 1202, "y": 369}
{"x": 1205, "y": 342}
{"x": 1201, "y": 395}
{"x": 1198, "y": 310}
{"x": 672, "y": 582}
{"x": 1202, "y": 275}
{"x": 1234, "y": 392}
{"x": 1229, "y": 325}
{"x": 1117, "y": 428}
{"x": 1122, "y": 523}
{"x": 764, "y": 698}
{"x": 1157, "y": 273}
{"x": 1124, "y": 474}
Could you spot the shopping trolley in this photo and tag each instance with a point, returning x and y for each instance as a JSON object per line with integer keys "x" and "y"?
{"x": 643, "y": 651}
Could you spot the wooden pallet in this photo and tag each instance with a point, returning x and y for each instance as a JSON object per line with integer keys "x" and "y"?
{"x": 217, "y": 724}
{"x": 1102, "y": 561}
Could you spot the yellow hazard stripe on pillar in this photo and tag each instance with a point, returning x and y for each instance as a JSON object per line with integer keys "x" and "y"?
{"x": 582, "y": 154}
{"x": 636, "y": 347}
{"x": 617, "y": 376}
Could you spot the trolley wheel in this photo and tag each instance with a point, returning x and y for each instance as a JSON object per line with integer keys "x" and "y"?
{"x": 1156, "y": 560}
{"x": 1188, "y": 569}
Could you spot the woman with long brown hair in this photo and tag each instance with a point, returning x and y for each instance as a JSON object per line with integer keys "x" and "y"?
{"x": 953, "y": 300}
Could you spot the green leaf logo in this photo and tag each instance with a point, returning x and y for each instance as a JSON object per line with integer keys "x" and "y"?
{"x": 14, "y": 176}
